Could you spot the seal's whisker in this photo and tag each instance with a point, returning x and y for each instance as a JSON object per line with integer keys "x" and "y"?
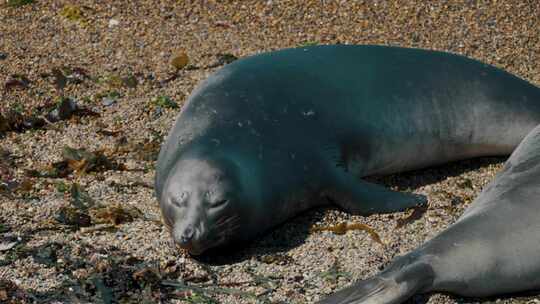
{"x": 231, "y": 221}
{"x": 229, "y": 230}
{"x": 225, "y": 219}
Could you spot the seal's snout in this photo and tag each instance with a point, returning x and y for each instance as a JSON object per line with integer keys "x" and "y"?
{"x": 191, "y": 238}
{"x": 187, "y": 235}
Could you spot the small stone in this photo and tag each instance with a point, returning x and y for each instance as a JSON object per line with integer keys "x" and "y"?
{"x": 7, "y": 246}
{"x": 157, "y": 112}
{"x": 113, "y": 23}
{"x": 108, "y": 101}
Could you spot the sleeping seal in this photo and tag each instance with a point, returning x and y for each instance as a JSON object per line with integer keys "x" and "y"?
{"x": 271, "y": 135}
{"x": 492, "y": 249}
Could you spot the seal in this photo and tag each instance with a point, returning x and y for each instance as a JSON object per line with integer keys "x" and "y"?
{"x": 492, "y": 249}
{"x": 269, "y": 136}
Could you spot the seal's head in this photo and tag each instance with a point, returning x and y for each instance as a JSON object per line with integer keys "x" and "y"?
{"x": 204, "y": 205}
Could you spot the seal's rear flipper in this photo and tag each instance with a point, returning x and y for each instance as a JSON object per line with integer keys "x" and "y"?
{"x": 360, "y": 197}
{"x": 389, "y": 287}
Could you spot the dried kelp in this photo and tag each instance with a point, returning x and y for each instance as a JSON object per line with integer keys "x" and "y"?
{"x": 342, "y": 228}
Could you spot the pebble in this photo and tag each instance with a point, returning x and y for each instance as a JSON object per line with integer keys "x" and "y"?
{"x": 113, "y": 23}
{"x": 108, "y": 101}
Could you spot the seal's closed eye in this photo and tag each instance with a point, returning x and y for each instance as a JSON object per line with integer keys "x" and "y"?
{"x": 179, "y": 201}
{"x": 219, "y": 203}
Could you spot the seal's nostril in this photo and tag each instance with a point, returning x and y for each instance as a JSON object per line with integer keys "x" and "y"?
{"x": 187, "y": 235}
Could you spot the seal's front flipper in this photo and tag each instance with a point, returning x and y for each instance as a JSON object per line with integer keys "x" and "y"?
{"x": 389, "y": 287}
{"x": 360, "y": 197}
{"x": 374, "y": 290}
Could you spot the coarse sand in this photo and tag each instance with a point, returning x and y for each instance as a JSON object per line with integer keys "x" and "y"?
{"x": 116, "y": 43}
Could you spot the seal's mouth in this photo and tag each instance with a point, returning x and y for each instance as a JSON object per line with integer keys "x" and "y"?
{"x": 220, "y": 232}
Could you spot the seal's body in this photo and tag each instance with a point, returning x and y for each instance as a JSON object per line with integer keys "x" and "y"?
{"x": 267, "y": 136}
{"x": 492, "y": 249}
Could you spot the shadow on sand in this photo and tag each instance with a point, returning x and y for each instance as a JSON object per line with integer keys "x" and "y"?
{"x": 294, "y": 232}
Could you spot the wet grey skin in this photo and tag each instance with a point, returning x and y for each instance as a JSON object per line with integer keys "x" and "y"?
{"x": 269, "y": 136}
{"x": 492, "y": 249}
